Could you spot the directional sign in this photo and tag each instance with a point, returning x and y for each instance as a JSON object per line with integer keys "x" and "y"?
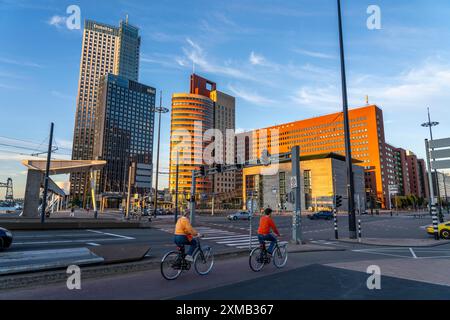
{"x": 440, "y": 143}
{"x": 440, "y": 154}
{"x": 143, "y": 176}
{"x": 441, "y": 157}
{"x": 443, "y": 164}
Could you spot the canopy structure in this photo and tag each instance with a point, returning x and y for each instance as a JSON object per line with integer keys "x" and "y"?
{"x": 35, "y": 178}
{"x": 65, "y": 166}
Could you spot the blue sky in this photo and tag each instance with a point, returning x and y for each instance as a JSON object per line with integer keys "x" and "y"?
{"x": 279, "y": 58}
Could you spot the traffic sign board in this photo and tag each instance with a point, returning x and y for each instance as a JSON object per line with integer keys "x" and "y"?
{"x": 294, "y": 183}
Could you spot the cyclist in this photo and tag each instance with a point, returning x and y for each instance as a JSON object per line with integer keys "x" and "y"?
{"x": 184, "y": 235}
{"x": 266, "y": 225}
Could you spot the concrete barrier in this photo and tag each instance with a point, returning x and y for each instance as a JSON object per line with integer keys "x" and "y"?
{"x": 28, "y": 261}
{"x": 69, "y": 224}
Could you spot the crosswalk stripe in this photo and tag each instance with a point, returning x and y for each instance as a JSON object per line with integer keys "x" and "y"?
{"x": 223, "y": 238}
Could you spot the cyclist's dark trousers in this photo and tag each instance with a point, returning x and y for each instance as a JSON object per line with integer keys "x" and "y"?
{"x": 268, "y": 237}
{"x": 183, "y": 240}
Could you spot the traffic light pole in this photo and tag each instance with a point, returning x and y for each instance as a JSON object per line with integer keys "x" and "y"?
{"x": 192, "y": 200}
{"x": 47, "y": 173}
{"x": 348, "y": 151}
{"x": 176, "y": 188}
{"x": 295, "y": 184}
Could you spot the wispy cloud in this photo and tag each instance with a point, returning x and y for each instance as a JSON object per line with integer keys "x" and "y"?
{"x": 20, "y": 62}
{"x": 195, "y": 53}
{"x": 62, "y": 95}
{"x": 256, "y": 59}
{"x": 252, "y": 97}
{"x": 57, "y": 21}
{"x": 314, "y": 54}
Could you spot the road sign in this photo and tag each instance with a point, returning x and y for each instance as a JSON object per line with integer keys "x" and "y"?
{"x": 440, "y": 157}
{"x": 394, "y": 189}
{"x": 294, "y": 183}
{"x": 143, "y": 176}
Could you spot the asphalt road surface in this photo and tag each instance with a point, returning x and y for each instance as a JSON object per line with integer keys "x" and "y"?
{"x": 321, "y": 275}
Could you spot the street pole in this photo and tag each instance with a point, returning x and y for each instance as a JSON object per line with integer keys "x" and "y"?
{"x": 295, "y": 184}
{"x": 430, "y": 124}
{"x": 176, "y": 187}
{"x": 192, "y": 200}
{"x": 130, "y": 169}
{"x": 251, "y": 220}
{"x": 348, "y": 151}
{"x": 432, "y": 200}
{"x": 47, "y": 173}
{"x": 94, "y": 202}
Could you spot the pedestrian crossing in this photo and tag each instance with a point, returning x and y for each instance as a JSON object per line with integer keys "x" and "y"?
{"x": 227, "y": 238}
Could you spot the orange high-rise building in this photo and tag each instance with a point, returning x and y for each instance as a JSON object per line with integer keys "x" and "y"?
{"x": 325, "y": 134}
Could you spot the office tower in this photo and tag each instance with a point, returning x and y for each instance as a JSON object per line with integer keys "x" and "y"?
{"x": 123, "y": 130}
{"x": 224, "y": 119}
{"x": 325, "y": 134}
{"x": 202, "y": 109}
{"x": 192, "y": 115}
{"x": 105, "y": 49}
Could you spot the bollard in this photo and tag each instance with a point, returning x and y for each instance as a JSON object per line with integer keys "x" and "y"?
{"x": 434, "y": 213}
{"x": 336, "y": 234}
{"x": 359, "y": 230}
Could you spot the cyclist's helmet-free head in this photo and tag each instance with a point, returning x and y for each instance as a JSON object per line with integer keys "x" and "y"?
{"x": 268, "y": 212}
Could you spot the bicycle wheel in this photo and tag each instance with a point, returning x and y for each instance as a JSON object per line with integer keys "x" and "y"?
{"x": 171, "y": 265}
{"x": 280, "y": 256}
{"x": 256, "y": 260}
{"x": 204, "y": 261}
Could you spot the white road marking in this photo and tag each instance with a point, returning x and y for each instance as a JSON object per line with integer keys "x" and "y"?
{"x": 93, "y": 244}
{"x": 64, "y": 241}
{"x": 112, "y": 235}
{"x": 413, "y": 253}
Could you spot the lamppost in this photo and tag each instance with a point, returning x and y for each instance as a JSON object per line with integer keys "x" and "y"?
{"x": 348, "y": 150}
{"x": 160, "y": 110}
{"x": 430, "y": 124}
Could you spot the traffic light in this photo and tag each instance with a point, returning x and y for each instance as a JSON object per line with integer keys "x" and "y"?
{"x": 219, "y": 168}
{"x": 338, "y": 201}
{"x": 202, "y": 171}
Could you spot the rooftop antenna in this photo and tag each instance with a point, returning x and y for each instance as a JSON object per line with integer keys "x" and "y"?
{"x": 367, "y": 99}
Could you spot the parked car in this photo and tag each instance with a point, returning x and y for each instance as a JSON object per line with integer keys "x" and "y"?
{"x": 444, "y": 230}
{"x": 241, "y": 215}
{"x": 324, "y": 215}
{"x": 6, "y": 239}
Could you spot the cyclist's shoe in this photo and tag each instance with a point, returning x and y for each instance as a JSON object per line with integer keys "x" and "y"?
{"x": 189, "y": 258}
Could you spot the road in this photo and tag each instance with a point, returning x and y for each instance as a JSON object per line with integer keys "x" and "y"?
{"x": 321, "y": 275}
{"x": 220, "y": 232}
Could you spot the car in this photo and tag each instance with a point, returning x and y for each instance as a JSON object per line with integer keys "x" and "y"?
{"x": 6, "y": 239}
{"x": 241, "y": 215}
{"x": 325, "y": 215}
{"x": 444, "y": 230}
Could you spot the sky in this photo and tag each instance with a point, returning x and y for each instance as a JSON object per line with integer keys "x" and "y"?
{"x": 280, "y": 59}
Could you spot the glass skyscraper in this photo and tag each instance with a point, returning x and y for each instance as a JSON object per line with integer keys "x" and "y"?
{"x": 123, "y": 129}
{"x": 105, "y": 50}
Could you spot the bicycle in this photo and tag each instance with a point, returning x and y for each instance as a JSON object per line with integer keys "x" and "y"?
{"x": 259, "y": 257}
{"x": 174, "y": 262}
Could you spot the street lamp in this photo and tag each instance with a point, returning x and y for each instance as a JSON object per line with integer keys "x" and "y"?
{"x": 430, "y": 124}
{"x": 160, "y": 110}
{"x": 348, "y": 150}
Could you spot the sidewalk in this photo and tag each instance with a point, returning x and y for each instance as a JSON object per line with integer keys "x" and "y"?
{"x": 386, "y": 242}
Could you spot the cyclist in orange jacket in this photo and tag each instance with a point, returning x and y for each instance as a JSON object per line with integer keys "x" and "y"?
{"x": 184, "y": 235}
{"x": 266, "y": 225}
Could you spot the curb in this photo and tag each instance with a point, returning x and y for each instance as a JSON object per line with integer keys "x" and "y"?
{"x": 30, "y": 280}
{"x": 396, "y": 245}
